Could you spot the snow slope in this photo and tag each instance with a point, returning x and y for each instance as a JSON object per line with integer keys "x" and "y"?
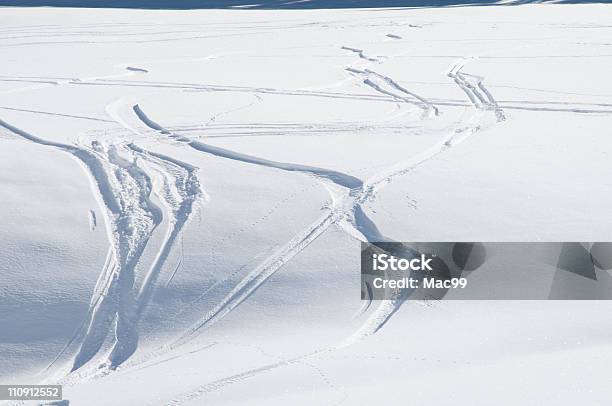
{"x": 184, "y": 193}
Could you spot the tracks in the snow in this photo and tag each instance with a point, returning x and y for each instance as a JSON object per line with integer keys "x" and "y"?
{"x": 361, "y": 54}
{"x": 388, "y": 86}
{"x": 142, "y": 190}
{"x": 141, "y": 176}
{"x": 474, "y": 88}
{"x": 349, "y": 195}
{"x": 129, "y": 182}
{"x": 349, "y": 211}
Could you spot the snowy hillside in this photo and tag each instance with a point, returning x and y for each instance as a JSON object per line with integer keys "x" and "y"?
{"x": 184, "y": 193}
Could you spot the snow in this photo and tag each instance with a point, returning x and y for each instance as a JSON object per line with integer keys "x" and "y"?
{"x": 184, "y": 193}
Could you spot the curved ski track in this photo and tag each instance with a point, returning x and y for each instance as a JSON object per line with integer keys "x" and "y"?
{"x": 125, "y": 188}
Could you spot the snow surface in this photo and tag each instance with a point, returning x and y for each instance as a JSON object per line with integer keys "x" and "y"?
{"x": 184, "y": 193}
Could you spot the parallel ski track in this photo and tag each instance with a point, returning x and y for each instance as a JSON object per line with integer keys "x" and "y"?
{"x": 131, "y": 218}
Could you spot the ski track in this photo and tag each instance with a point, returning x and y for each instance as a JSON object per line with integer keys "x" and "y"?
{"x": 426, "y": 105}
{"x": 333, "y": 95}
{"x": 180, "y": 191}
{"x": 389, "y": 87}
{"x": 231, "y": 88}
{"x": 476, "y": 92}
{"x": 336, "y": 177}
{"x": 131, "y": 217}
{"x": 55, "y": 114}
{"x": 133, "y": 226}
{"x": 236, "y": 378}
{"x": 111, "y": 206}
{"x": 387, "y": 308}
{"x": 361, "y": 54}
{"x": 350, "y": 210}
{"x": 42, "y": 83}
{"x": 176, "y": 185}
